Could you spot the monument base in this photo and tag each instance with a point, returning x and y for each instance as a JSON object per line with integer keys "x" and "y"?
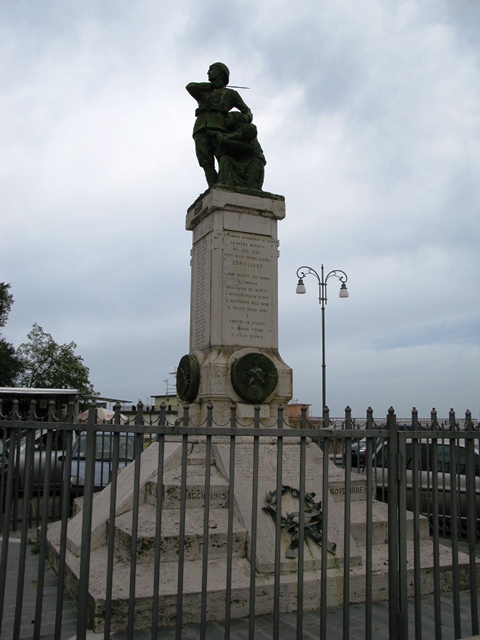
{"x": 234, "y": 355}
{"x": 233, "y": 558}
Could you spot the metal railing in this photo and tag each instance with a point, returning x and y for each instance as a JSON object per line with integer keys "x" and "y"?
{"x": 427, "y": 474}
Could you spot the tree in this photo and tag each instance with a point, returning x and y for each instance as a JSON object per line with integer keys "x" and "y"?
{"x": 6, "y": 301}
{"x": 10, "y": 364}
{"x": 49, "y": 365}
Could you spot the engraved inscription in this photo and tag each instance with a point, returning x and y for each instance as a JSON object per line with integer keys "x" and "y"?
{"x": 249, "y": 263}
{"x": 356, "y": 491}
{"x": 172, "y": 494}
{"x": 200, "y": 292}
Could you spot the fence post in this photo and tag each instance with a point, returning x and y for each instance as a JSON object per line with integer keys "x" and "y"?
{"x": 325, "y": 444}
{"x": 278, "y": 527}
{"x": 14, "y": 416}
{"x": 414, "y": 419}
{"x": 370, "y": 454}
{"x": 83, "y": 584}
{"x": 8, "y": 493}
{"x": 65, "y": 511}
{"x": 434, "y": 419}
{"x": 455, "y": 512}
{"x": 326, "y": 418}
{"x": 182, "y": 523}
{"x": 157, "y": 574}
{"x": 471, "y": 520}
{"x": 348, "y": 418}
{"x": 434, "y": 512}
{"x": 253, "y": 540}
{"x": 231, "y": 506}
{"x": 303, "y": 417}
{"x": 369, "y": 423}
{"x": 393, "y": 573}
{"x": 206, "y": 519}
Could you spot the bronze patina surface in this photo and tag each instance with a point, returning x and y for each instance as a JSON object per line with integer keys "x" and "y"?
{"x": 188, "y": 378}
{"x": 226, "y": 141}
{"x": 254, "y": 377}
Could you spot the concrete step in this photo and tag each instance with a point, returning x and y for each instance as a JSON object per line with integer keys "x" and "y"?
{"x": 380, "y": 523}
{"x": 198, "y": 456}
{"x": 240, "y": 572}
{"x": 169, "y": 540}
{"x": 381, "y": 562}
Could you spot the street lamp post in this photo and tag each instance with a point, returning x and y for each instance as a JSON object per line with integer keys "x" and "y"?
{"x": 322, "y": 299}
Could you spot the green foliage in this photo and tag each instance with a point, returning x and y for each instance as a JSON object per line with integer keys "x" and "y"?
{"x": 40, "y": 362}
{"x": 49, "y": 365}
{"x": 6, "y": 301}
{"x": 10, "y": 365}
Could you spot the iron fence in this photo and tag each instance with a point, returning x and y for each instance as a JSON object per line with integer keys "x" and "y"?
{"x": 225, "y": 522}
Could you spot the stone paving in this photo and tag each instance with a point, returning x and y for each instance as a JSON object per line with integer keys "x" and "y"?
{"x": 239, "y": 628}
{"x": 311, "y": 624}
{"x": 69, "y": 625}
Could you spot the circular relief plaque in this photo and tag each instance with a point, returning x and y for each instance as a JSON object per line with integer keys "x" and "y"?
{"x": 188, "y": 378}
{"x": 254, "y": 377}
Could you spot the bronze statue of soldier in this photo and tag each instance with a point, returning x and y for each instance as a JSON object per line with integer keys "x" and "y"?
{"x": 215, "y": 101}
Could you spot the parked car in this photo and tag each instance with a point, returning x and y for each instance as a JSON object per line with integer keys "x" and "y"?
{"x": 40, "y": 462}
{"x": 104, "y": 450}
{"x": 358, "y": 453}
{"x": 424, "y": 476}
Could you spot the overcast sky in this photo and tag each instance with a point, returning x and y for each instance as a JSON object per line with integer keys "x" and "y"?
{"x": 368, "y": 112}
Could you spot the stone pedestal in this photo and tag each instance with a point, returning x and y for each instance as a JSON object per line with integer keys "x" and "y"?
{"x": 234, "y": 307}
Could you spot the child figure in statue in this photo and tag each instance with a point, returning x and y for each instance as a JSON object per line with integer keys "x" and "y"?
{"x": 242, "y": 163}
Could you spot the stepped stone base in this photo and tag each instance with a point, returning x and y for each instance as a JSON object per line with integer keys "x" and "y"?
{"x": 242, "y": 538}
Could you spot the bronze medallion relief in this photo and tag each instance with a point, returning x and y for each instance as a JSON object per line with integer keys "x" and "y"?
{"x": 254, "y": 377}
